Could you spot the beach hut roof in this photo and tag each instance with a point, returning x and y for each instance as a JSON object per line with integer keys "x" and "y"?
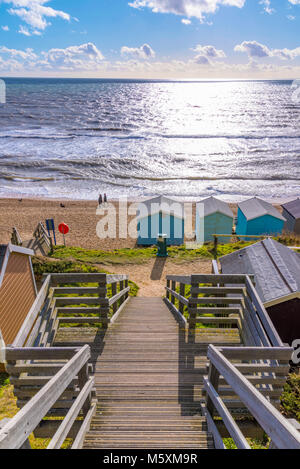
{"x": 293, "y": 208}
{"x": 5, "y": 251}
{"x": 213, "y": 205}
{"x": 255, "y": 208}
{"x": 276, "y": 269}
{"x": 165, "y": 205}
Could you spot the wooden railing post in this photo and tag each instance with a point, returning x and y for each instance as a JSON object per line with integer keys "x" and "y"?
{"x": 191, "y": 308}
{"x": 122, "y": 299}
{"x": 126, "y": 286}
{"x": 114, "y": 292}
{"x": 182, "y": 293}
{"x": 213, "y": 378}
{"x": 168, "y": 293}
{"x": 104, "y": 306}
{"x": 173, "y": 289}
{"x": 83, "y": 377}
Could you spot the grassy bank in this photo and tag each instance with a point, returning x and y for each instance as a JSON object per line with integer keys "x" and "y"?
{"x": 140, "y": 255}
{"x": 43, "y": 266}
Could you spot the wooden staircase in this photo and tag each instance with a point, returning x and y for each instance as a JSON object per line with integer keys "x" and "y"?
{"x": 162, "y": 369}
{"x": 148, "y": 393}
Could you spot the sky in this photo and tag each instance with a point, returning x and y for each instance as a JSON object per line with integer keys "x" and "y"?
{"x": 187, "y": 39}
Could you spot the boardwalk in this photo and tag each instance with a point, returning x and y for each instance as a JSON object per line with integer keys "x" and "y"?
{"x": 149, "y": 381}
{"x": 149, "y": 372}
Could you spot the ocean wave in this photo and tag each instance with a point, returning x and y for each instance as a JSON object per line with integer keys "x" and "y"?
{"x": 145, "y": 136}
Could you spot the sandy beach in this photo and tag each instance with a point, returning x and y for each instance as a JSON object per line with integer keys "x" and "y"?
{"x": 80, "y": 216}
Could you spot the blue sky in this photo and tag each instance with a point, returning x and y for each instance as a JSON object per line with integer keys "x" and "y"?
{"x": 150, "y": 38}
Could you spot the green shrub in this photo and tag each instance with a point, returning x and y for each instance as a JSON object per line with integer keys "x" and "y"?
{"x": 290, "y": 399}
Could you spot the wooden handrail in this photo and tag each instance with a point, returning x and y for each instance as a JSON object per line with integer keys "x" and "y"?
{"x": 109, "y": 305}
{"x": 16, "y": 238}
{"x": 263, "y": 315}
{"x": 255, "y": 325}
{"x": 33, "y": 314}
{"x": 280, "y": 430}
{"x": 41, "y": 233}
{"x": 17, "y": 430}
{"x": 215, "y": 267}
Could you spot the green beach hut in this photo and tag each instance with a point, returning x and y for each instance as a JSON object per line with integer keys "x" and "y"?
{"x": 213, "y": 216}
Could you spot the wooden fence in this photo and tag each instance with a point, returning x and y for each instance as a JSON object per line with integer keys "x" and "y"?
{"x": 63, "y": 300}
{"x": 230, "y": 301}
{"x": 40, "y": 242}
{"x": 16, "y": 239}
{"x": 53, "y": 378}
{"x": 222, "y": 300}
{"x": 282, "y": 433}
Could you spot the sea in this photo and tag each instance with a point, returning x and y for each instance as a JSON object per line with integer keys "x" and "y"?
{"x": 77, "y": 138}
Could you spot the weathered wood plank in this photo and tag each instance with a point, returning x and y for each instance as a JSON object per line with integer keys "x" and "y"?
{"x": 185, "y": 279}
{"x": 57, "y": 279}
{"x": 219, "y": 290}
{"x": 115, "y": 278}
{"x": 81, "y": 320}
{"x": 79, "y": 440}
{"x": 276, "y": 426}
{"x": 31, "y": 318}
{"x": 228, "y": 420}
{"x": 215, "y": 300}
{"x": 71, "y": 416}
{"x": 219, "y": 279}
{"x": 263, "y": 315}
{"x": 118, "y": 296}
{"x": 257, "y": 353}
{"x": 179, "y": 297}
{"x": 94, "y": 300}
{"x": 23, "y": 424}
{"x": 57, "y": 353}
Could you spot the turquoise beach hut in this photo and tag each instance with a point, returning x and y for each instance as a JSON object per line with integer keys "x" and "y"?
{"x": 160, "y": 215}
{"x": 213, "y": 216}
{"x": 258, "y": 217}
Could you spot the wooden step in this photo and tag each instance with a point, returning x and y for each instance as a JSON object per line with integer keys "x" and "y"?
{"x": 149, "y": 376}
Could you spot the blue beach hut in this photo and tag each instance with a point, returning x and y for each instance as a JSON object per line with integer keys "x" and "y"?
{"x": 160, "y": 215}
{"x": 213, "y": 216}
{"x": 258, "y": 217}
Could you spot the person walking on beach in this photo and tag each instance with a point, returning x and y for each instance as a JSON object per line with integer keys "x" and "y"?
{"x": 105, "y": 198}
{"x": 100, "y": 200}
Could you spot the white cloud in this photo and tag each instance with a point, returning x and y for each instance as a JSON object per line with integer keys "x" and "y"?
{"x": 256, "y": 50}
{"x": 267, "y": 6}
{"x": 35, "y": 13}
{"x": 83, "y": 57}
{"x": 28, "y": 54}
{"x": 210, "y": 52}
{"x": 88, "y": 61}
{"x": 206, "y": 55}
{"x": 144, "y": 52}
{"x": 5, "y": 28}
{"x": 23, "y": 30}
{"x": 186, "y": 21}
{"x": 253, "y": 49}
{"x": 188, "y": 8}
